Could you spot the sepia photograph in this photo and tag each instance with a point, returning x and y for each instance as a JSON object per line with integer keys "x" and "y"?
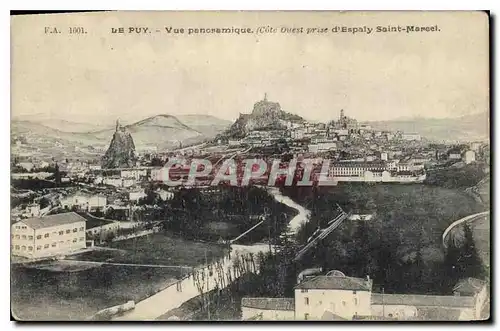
{"x": 250, "y": 166}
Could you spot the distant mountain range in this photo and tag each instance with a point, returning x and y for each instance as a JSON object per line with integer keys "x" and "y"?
{"x": 465, "y": 128}
{"x": 163, "y": 131}
{"x": 168, "y": 131}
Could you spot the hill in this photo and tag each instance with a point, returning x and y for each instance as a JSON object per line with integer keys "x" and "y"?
{"x": 121, "y": 150}
{"x": 465, "y": 128}
{"x": 265, "y": 115}
{"x": 162, "y": 131}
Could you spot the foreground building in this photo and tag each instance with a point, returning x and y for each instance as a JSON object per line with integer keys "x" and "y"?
{"x": 338, "y": 297}
{"x": 48, "y": 236}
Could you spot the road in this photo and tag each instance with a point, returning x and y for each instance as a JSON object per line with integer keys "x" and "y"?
{"x": 170, "y": 298}
{"x": 469, "y": 219}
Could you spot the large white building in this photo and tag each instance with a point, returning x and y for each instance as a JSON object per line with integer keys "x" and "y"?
{"x": 48, "y": 236}
{"x": 349, "y": 169}
{"x": 343, "y": 296}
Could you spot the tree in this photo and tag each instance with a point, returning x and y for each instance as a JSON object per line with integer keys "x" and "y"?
{"x": 469, "y": 263}
{"x": 109, "y": 237}
{"x": 44, "y": 202}
{"x": 451, "y": 262}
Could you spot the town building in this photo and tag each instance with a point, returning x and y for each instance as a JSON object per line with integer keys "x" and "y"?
{"x": 135, "y": 196}
{"x": 411, "y": 137}
{"x": 28, "y": 166}
{"x": 322, "y": 146}
{"x": 469, "y": 157}
{"x": 99, "y": 229}
{"x": 347, "y": 169}
{"x": 84, "y": 201}
{"x": 48, "y": 236}
{"x": 32, "y": 210}
{"x": 428, "y": 307}
{"x": 165, "y": 195}
{"x": 133, "y": 173}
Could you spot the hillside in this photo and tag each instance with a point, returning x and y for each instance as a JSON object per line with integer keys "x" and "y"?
{"x": 466, "y": 128}
{"x": 163, "y": 131}
{"x": 207, "y": 125}
{"x": 41, "y": 132}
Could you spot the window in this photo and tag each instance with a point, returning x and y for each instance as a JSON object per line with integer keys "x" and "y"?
{"x": 54, "y": 244}
{"x": 74, "y": 240}
{"x": 30, "y": 248}
{"x": 39, "y": 236}
{"x": 46, "y": 246}
{"x": 38, "y": 247}
{"x": 68, "y": 231}
{"x": 306, "y": 316}
{"x": 24, "y": 236}
{"x": 61, "y": 233}
{"x": 61, "y": 242}
{"x": 23, "y": 248}
{"x": 353, "y": 292}
{"x": 307, "y": 301}
{"x": 75, "y": 229}
{"x": 356, "y": 301}
{"x": 303, "y": 290}
{"x": 81, "y": 229}
{"x": 17, "y": 236}
{"x": 46, "y": 235}
{"x": 82, "y": 238}
{"x": 30, "y": 237}
{"x": 17, "y": 247}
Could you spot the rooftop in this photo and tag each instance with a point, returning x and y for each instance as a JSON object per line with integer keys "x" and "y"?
{"x": 94, "y": 222}
{"x": 336, "y": 283}
{"x": 359, "y": 164}
{"x": 269, "y": 303}
{"x": 53, "y": 220}
{"x": 422, "y": 300}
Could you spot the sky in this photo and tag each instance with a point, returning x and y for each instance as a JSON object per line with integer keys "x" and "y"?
{"x": 100, "y": 76}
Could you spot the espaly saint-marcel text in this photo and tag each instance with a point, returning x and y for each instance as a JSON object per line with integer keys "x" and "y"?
{"x": 386, "y": 28}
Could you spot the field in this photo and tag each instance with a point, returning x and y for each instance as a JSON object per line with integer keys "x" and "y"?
{"x": 165, "y": 249}
{"x": 408, "y": 224}
{"x": 48, "y": 295}
{"x": 405, "y": 209}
